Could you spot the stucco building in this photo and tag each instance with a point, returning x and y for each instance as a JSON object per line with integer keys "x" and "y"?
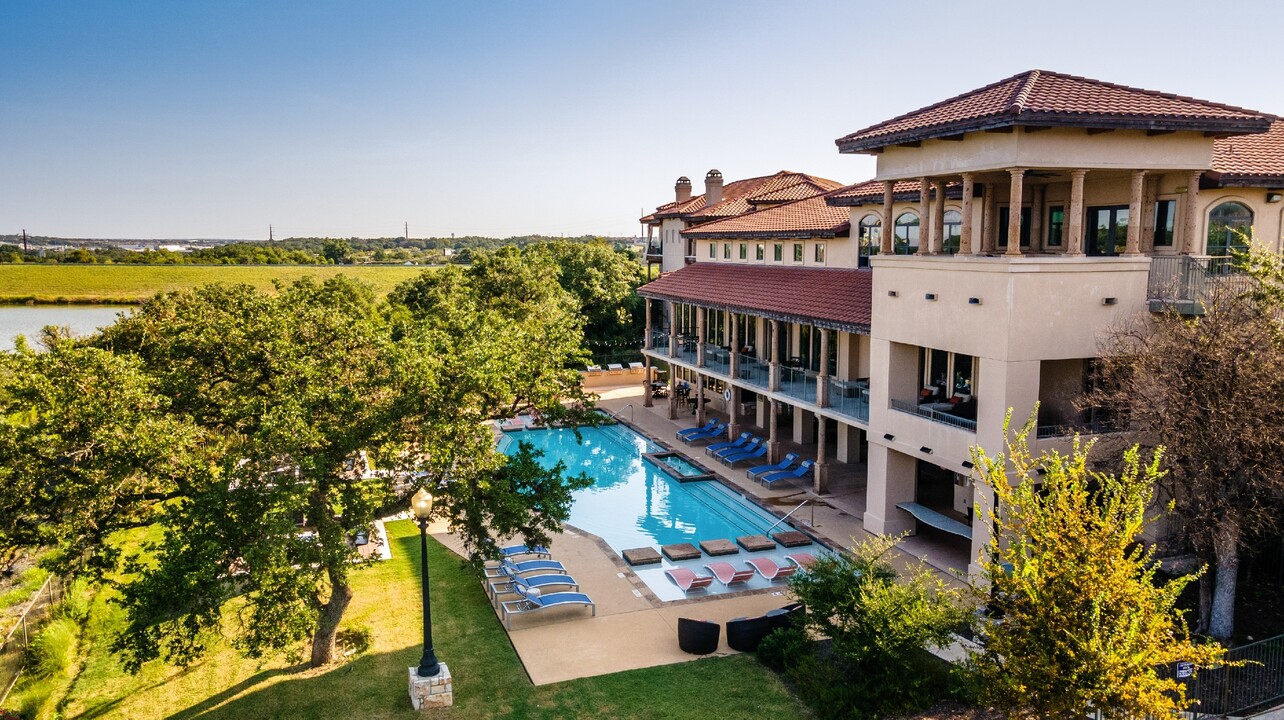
{"x": 896, "y": 321}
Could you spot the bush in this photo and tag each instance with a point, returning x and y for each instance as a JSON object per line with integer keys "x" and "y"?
{"x": 9, "y": 715}
{"x": 53, "y": 651}
{"x": 784, "y": 648}
{"x": 75, "y": 601}
{"x": 354, "y": 640}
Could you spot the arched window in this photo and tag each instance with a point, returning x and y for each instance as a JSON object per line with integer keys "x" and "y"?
{"x": 905, "y": 242}
{"x": 1229, "y": 227}
{"x": 870, "y": 237}
{"x": 953, "y": 231}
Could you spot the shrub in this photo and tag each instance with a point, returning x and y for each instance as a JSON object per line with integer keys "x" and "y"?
{"x": 75, "y": 601}
{"x": 53, "y": 650}
{"x": 9, "y": 715}
{"x": 354, "y": 640}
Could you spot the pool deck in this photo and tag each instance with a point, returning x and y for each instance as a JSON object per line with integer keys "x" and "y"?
{"x": 632, "y": 628}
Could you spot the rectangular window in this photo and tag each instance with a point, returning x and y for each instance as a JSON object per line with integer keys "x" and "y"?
{"x": 820, "y": 252}
{"x": 726, "y": 251}
{"x": 713, "y": 250}
{"x": 798, "y": 252}
{"x": 744, "y": 251}
{"x": 1003, "y": 227}
{"x": 1164, "y": 212}
{"x": 1056, "y": 225}
{"x": 758, "y": 252}
{"x": 778, "y": 252}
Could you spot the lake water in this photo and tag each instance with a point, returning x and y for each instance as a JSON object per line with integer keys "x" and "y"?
{"x": 29, "y": 319}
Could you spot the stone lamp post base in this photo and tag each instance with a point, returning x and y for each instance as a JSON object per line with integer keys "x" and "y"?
{"x": 431, "y": 692}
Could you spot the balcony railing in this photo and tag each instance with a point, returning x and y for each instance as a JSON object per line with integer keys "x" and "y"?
{"x": 1188, "y": 283}
{"x": 850, "y": 398}
{"x": 717, "y": 359}
{"x": 660, "y": 341}
{"x": 753, "y": 371}
{"x": 934, "y": 414}
{"x": 687, "y": 348}
{"x": 798, "y": 383}
{"x": 654, "y": 252}
{"x": 1092, "y": 427}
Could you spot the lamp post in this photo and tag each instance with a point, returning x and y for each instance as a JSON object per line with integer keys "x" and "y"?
{"x": 421, "y": 503}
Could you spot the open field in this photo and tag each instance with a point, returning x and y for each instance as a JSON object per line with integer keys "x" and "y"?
{"x": 490, "y": 681}
{"x": 30, "y": 283}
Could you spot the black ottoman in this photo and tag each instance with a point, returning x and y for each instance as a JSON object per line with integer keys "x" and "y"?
{"x": 744, "y": 634}
{"x": 787, "y": 616}
{"x": 698, "y": 637}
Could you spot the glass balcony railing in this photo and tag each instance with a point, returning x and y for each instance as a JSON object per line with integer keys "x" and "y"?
{"x": 798, "y": 383}
{"x": 934, "y": 414}
{"x": 850, "y": 398}
{"x": 660, "y": 341}
{"x": 753, "y": 371}
{"x": 717, "y": 359}
{"x": 687, "y": 348}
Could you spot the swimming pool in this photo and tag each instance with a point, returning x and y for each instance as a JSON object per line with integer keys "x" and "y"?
{"x": 634, "y": 504}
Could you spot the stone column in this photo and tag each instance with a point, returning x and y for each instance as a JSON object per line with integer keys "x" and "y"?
{"x": 888, "y": 231}
{"x": 1190, "y": 242}
{"x": 1014, "y": 210}
{"x": 924, "y": 217}
{"x": 989, "y": 207}
{"x": 1137, "y": 191}
{"x": 820, "y": 473}
{"x": 733, "y": 414}
{"x": 965, "y": 232}
{"x": 1148, "y": 212}
{"x": 822, "y": 377}
{"x": 733, "y": 362}
{"x": 773, "y": 368}
{"x": 647, "y": 400}
{"x": 646, "y": 310}
{"x": 700, "y": 313}
{"x": 773, "y": 437}
{"x": 673, "y": 392}
{"x": 938, "y": 218}
{"x": 1036, "y": 217}
{"x": 1074, "y": 223}
{"x": 699, "y": 407}
{"x": 673, "y": 331}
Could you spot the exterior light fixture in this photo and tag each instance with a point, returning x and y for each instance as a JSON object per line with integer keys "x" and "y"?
{"x": 925, "y": 450}
{"x": 967, "y": 464}
{"x": 888, "y": 436}
{"x": 891, "y": 293}
{"x": 1110, "y": 301}
{"x": 421, "y": 504}
{"x": 1274, "y": 197}
{"x": 930, "y": 296}
{"x": 974, "y": 301}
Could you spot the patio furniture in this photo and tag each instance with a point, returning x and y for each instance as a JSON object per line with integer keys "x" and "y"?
{"x": 508, "y": 567}
{"x": 737, "y": 449}
{"x": 687, "y": 579}
{"x": 538, "y": 551}
{"x": 771, "y": 571}
{"x": 659, "y": 390}
{"x": 710, "y": 434}
{"x": 803, "y": 469}
{"x": 754, "y": 473}
{"x": 727, "y": 574}
{"x": 802, "y": 560}
{"x": 510, "y": 585}
{"x": 737, "y": 443}
{"x": 533, "y": 600}
{"x": 745, "y": 634}
{"x": 732, "y": 460}
{"x": 698, "y": 637}
{"x": 696, "y": 430}
{"x": 786, "y": 616}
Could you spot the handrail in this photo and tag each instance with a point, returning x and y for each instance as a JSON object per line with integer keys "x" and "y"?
{"x": 786, "y": 517}
{"x": 616, "y": 415}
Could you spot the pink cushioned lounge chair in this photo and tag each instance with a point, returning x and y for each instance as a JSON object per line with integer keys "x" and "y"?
{"x": 687, "y": 579}
{"x": 728, "y": 575}
{"x": 768, "y": 568}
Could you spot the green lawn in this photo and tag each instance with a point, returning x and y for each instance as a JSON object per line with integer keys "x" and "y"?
{"x": 133, "y": 283}
{"x": 490, "y": 681}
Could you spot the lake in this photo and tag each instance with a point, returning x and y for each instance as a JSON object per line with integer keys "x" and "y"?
{"x": 29, "y": 319}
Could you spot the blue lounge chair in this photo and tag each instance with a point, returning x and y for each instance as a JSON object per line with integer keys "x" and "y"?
{"x": 509, "y": 584}
{"x": 737, "y": 443}
{"x": 538, "y": 551}
{"x": 507, "y": 567}
{"x": 729, "y": 451}
{"x": 754, "y": 472}
{"x": 803, "y": 468}
{"x": 533, "y": 600}
{"x": 682, "y": 434}
{"x": 710, "y": 434}
{"x": 754, "y": 454}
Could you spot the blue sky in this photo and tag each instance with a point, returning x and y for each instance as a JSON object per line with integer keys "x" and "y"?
{"x": 216, "y": 119}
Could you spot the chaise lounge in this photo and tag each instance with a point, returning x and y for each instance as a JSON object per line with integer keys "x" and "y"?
{"x": 687, "y": 579}
{"x": 724, "y": 453}
{"x": 769, "y": 570}
{"x": 533, "y": 600}
{"x": 754, "y": 454}
{"x": 803, "y": 469}
{"x": 727, "y": 574}
{"x": 682, "y": 434}
{"x": 739, "y": 442}
{"x": 508, "y": 568}
{"x": 754, "y": 473}
{"x": 512, "y": 582}
{"x": 709, "y": 434}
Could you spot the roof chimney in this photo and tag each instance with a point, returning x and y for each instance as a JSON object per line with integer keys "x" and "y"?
{"x": 683, "y": 189}
{"x": 712, "y": 188}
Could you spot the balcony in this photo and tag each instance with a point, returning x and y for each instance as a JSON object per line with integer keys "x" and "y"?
{"x": 654, "y": 253}
{"x": 687, "y": 347}
{"x": 659, "y": 341}
{"x": 798, "y": 383}
{"x": 850, "y": 398}
{"x": 717, "y": 360}
{"x": 753, "y": 371}
{"x": 935, "y": 413}
{"x": 1188, "y": 284}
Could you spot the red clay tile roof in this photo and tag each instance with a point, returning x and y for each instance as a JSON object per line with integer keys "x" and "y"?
{"x": 838, "y": 299}
{"x": 1251, "y": 160}
{"x": 797, "y": 191}
{"x": 809, "y": 217}
{"x": 870, "y": 192}
{"x": 1040, "y": 97}
{"x": 735, "y": 196}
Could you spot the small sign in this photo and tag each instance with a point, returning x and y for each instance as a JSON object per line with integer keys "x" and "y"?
{"x": 726, "y": 394}
{"x": 1185, "y": 670}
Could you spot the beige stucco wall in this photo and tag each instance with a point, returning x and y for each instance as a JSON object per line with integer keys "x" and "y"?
{"x": 839, "y": 252}
{"x": 1052, "y": 148}
{"x": 673, "y": 245}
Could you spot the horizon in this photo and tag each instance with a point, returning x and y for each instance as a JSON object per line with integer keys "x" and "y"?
{"x": 147, "y": 120}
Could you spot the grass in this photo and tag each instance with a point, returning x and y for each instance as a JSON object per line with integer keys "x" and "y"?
{"x": 490, "y": 681}
{"x": 30, "y": 283}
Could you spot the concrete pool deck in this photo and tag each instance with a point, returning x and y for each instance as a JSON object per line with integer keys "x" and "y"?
{"x": 632, "y": 628}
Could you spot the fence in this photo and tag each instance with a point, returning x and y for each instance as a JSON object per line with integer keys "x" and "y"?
{"x": 13, "y": 650}
{"x": 1188, "y": 283}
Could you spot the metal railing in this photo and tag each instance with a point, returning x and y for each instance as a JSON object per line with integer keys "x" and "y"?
{"x": 13, "y": 650}
{"x": 660, "y": 341}
{"x": 687, "y": 348}
{"x": 717, "y": 359}
{"x": 1187, "y": 283}
{"x": 786, "y": 517}
{"x": 1256, "y": 685}
{"x": 1069, "y": 429}
{"x": 939, "y": 416}
{"x": 849, "y": 398}
{"x": 798, "y": 383}
{"x": 753, "y": 371}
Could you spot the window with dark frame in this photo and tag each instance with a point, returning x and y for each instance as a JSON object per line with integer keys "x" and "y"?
{"x": 713, "y": 250}
{"x": 778, "y": 252}
{"x": 798, "y": 252}
{"x": 820, "y": 252}
{"x": 1003, "y": 227}
{"x": 1056, "y": 225}
{"x": 744, "y": 251}
{"x": 759, "y": 253}
{"x": 726, "y": 251}
{"x": 1165, "y": 212}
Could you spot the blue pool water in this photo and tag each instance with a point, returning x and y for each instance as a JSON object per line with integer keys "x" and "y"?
{"x": 634, "y": 504}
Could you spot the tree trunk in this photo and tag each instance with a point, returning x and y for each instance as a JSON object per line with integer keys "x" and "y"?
{"x": 1226, "y": 545}
{"x": 1206, "y": 582}
{"x": 328, "y": 622}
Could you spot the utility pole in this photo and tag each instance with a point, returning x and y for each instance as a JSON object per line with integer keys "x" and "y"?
{"x": 270, "y": 238}
{"x": 24, "y": 241}
{"x": 407, "y": 232}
